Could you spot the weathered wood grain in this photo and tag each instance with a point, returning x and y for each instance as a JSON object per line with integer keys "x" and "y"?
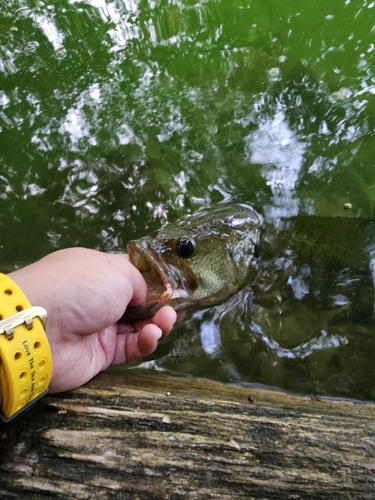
{"x": 150, "y": 436}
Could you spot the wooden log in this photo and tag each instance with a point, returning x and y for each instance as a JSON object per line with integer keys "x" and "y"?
{"x": 149, "y": 436}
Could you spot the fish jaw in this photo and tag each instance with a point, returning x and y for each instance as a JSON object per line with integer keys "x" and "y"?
{"x": 164, "y": 286}
{"x": 162, "y": 280}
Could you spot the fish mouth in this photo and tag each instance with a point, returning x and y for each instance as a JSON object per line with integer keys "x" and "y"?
{"x": 162, "y": 280}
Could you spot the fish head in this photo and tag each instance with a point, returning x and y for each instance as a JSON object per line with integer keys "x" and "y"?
{"x": 200, "y": 260}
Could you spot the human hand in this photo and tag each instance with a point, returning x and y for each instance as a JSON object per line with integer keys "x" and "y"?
{"x": 85, "y": 292}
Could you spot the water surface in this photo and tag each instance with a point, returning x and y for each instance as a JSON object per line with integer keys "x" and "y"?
{"x": 119, "y": 116}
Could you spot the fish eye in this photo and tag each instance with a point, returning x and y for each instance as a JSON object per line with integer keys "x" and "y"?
{"x": 185, "y": 247}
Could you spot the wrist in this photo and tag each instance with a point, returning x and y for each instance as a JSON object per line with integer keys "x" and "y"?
{"x": 26, "y": 368}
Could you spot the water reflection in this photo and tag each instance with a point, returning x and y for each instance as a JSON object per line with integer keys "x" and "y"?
{"x": 119, "y": 116}
{"x": 76, "y": 125}
{"x": 276, "y": 147}
{"x": 49, "y": 29}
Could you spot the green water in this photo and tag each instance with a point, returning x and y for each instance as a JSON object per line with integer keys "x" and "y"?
{"x": 116, "y": 117}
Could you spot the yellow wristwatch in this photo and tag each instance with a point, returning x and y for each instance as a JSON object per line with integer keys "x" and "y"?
{"x": 25, "y": 355}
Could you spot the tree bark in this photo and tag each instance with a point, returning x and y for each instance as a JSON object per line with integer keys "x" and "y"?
{"x": 149, "y": 436}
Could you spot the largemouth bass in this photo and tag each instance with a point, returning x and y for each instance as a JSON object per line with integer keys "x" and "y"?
{"x": 204, "y": 259}
{"x": 200, "y": 260}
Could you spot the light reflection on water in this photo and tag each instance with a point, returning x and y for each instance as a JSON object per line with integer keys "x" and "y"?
{"x": 275, "y": 146}
{"x": 119, "y": 116}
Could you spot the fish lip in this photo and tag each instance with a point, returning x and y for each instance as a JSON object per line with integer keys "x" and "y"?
{"x": 173, "y": 287}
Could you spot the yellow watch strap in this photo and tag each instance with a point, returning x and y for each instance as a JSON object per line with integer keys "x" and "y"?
{"x": 25, "y": 355}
